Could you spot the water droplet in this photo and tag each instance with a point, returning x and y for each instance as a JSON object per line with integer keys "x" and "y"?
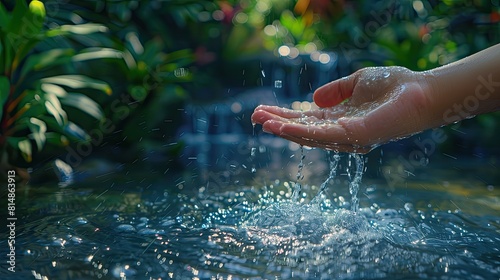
{"x": 81, "y": 221}
{"x": 150, "y": 231}
{"x": 262, "y": 149}
{"x": 125, "y": 228}
{"x": 408, "y": 206}
{"x": 386, "y": 74}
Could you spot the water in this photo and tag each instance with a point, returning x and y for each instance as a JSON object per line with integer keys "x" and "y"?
{"x": 133, "y": 224}
{"x": 297, "y": 185}
{"x": 333, "y": 160}
{"x": 356, "y": 179}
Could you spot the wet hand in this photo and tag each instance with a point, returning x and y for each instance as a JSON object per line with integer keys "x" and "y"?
{"x": 383, "y": 104}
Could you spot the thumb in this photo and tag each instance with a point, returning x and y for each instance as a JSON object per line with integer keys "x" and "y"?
{"x": 335, "y": 92}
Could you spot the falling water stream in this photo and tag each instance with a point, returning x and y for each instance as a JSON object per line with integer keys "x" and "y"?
{"x": 333, "y": 160}
{"x": 298, "y": 186}
{"x": 355, "y": 180}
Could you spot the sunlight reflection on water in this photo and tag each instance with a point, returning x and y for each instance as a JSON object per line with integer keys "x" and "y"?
{"x": 254, "y": 230}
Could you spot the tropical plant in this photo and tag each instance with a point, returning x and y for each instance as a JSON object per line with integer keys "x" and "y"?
{"x": 149, "y": 83}
{"x": 40, "y": 88}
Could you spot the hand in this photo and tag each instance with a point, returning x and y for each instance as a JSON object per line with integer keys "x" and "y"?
{"x": 385, "y": 103}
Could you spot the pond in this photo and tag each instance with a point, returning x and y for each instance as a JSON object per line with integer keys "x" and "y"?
{"x": 240, "y": 219}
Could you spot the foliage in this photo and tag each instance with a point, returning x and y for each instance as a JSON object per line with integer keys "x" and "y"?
{"x": 37, "y": 95}
{"x": 64, "y": 68}
{"x": 148, "y": 80}
{"x": 416, "y": 34}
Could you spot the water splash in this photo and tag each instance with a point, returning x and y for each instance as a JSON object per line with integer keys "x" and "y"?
{"x": 333, "y": 159}
{"x": 252, "y": 156}
{"x": 300, "y": 176}
{"x": 232, "y": 234}
{"x": 252, "y": 152}
{"x": 356, "y": 180}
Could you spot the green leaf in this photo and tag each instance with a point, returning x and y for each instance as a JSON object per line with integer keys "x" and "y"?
{"x": 78, "y": 82}
{"x": 152, "y": 49}
{"x": 133, "y": 44}
{"x": 97, "y": 53}
{"x": 26, "y": 112}
{"x": 26, "y": 22}
{"x": 25, "y": 148}
{"x": 185, "y": 56}
{"x": 17, "y": 17}
{"x": 76, "y": 131}
{"x": 22, "y": 144}
{"x": 8, "y": 55}
{"x": 56, "y": 139}
{"x": 46, "y": 59}
{"x": 81, "y": 29}
{"x": 2, "y": 63}
{"x": 4, "y": 17}
{"x": 65, "y": 130}
{"x": 83, "y": 103}
{"x": 55, "y": 89}
{"x": 54, "y": 108}
{"x": 21, "y": 47}
{"x": 4, "y": 92}
{"x": 38, "y": 129}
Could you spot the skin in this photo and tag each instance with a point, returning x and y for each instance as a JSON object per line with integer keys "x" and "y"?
{"x": 380, "y": 104}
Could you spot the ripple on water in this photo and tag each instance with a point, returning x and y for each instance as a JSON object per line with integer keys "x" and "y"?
{"x": 277, "y": 238}
{"x": 339, "y": 243}
{"x": 125, "y": 228}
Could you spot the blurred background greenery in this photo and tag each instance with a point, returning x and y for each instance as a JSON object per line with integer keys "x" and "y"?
{"x": 77, "y": 77}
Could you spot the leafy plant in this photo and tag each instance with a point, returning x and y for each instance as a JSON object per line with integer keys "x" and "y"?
{"x": 149, "y": 83}
{"x": 40, "y": 88}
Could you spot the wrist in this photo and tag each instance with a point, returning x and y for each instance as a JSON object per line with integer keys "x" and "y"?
{"x": 432, "y": 89}
{"x": 467, "y": 87}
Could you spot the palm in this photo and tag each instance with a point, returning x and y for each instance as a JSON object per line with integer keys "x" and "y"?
{"x": 385, "y": 103}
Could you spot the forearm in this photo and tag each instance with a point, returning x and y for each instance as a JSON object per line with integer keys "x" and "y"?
{"x": 465, "y": 88}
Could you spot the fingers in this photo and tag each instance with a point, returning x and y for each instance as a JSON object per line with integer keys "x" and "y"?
{"x": 277, "y": 111}
{"x": 332, "y": 133}
{"x": 263, "y": 113}
{"x": 326, "y": 135}
{"x": 291, "y": 131}
{"x": 335, "y": 92}
{"x": 329, "y": 146}
{"x": 262, "y": 116}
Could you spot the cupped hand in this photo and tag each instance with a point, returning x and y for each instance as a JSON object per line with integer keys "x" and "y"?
{"x": 383, "y": 104}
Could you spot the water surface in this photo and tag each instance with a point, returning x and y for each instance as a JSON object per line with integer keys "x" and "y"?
{"x": 144, "y": 224}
